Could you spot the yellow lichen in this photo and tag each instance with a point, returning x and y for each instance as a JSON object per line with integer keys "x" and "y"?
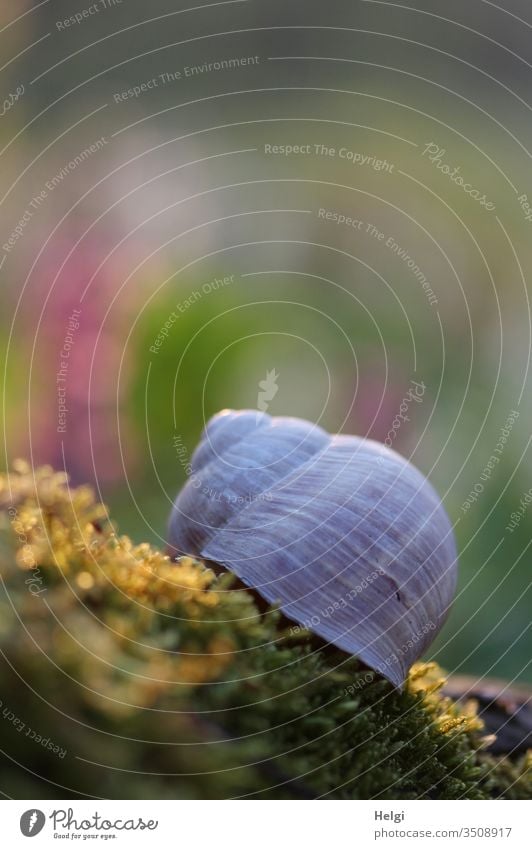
{"x": 65, "y": 534}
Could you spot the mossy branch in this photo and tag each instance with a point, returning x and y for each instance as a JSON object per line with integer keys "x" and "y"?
{"x": 160, "y": 680}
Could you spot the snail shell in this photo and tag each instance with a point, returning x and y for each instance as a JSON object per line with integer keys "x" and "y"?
{"x": 347, "y": 537}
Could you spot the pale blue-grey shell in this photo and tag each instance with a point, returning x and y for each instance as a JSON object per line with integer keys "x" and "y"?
{"x": 347, "y": 537}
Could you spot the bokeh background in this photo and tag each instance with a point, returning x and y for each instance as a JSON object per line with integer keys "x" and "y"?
{"x": 124, "y": 206}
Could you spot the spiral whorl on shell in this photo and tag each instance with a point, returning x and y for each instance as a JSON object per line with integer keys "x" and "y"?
{"x": 343, "y": 534}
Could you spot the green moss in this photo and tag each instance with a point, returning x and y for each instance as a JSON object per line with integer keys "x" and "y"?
{"x": 158, "y": 680}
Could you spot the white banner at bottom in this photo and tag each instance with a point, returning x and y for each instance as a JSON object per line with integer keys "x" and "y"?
{"x": 255, "y": 824}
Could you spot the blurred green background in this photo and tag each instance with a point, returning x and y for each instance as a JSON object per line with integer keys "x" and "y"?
{"x": 183, "y": 192}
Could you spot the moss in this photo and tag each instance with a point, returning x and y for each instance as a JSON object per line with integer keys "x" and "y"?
{"x": 128, "y": 676}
